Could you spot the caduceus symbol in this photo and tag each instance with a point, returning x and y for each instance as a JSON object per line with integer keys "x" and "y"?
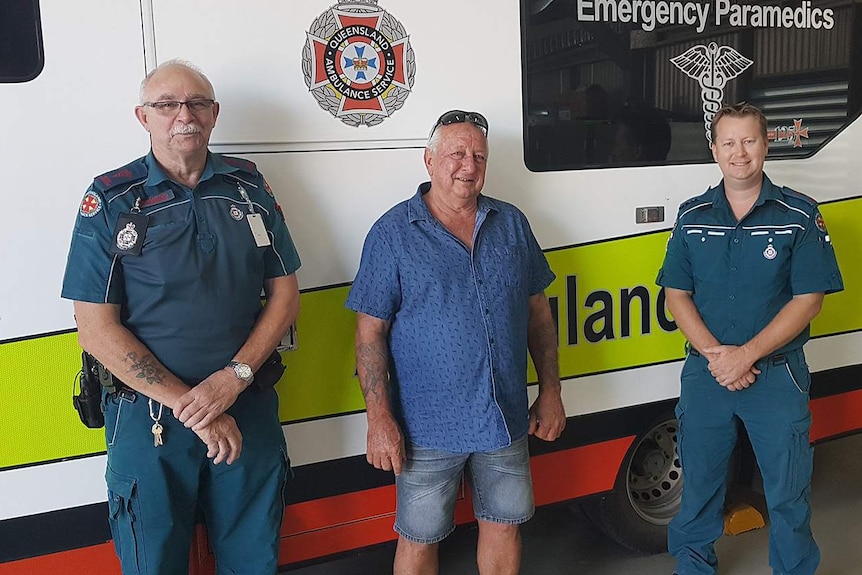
{"x": 713, "y": 67}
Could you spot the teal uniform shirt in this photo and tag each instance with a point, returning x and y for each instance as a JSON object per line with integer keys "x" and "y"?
{"x": 741, "y": 273}
{"x": 192, "y": 295}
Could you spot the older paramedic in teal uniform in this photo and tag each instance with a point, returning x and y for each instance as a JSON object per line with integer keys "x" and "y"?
{"x": 746, "y": 269}
{"x": 169, "y": 257}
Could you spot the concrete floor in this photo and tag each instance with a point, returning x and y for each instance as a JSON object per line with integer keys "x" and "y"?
{"x": 561, "y": 540}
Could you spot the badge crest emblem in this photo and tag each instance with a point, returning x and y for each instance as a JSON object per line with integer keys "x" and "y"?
{"x": 90, "y": 205}
{"x": 235, "y": 213}
{"x": 358, "y": 63}
{"x": 128, "y": 237}
{"x": 818, "y": 221}
{"x": 770, "y": 252}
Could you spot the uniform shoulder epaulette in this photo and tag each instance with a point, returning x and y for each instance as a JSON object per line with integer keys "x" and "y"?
{"x": 242, "y": 164}
{"x": 702, "y": 200}
{"x": 129, "y": 173}
{"x": 791, "y": 193}
{"x": 689, "y": 202}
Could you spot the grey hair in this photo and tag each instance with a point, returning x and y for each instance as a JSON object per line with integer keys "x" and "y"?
{"x": 434, "y": 137}
{"x": 170, "y": 63}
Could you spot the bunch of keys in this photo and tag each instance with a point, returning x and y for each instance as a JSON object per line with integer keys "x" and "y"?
{"x": 157, "y": 434}
{"x": 157, "y": 428}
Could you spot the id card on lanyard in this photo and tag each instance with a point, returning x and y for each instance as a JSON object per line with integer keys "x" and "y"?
{"x": 130, "y": 231}
{"x": 255, "y": 221}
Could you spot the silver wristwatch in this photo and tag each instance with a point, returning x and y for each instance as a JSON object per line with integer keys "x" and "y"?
{"x": 243, "y": 371}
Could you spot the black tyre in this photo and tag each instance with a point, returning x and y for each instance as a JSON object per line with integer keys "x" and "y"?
{"x": 647, "y": 493}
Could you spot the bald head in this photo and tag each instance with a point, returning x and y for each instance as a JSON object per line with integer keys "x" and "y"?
{"x": 170, "y": 64}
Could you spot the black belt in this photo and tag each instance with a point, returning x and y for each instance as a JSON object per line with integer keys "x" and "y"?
{"x": 776, "y": 359}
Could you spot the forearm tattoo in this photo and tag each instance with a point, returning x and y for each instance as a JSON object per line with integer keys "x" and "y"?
{"x": 543, "y": 348}
{"x": 146, "y": 368}
{"x": 372, "y": 365}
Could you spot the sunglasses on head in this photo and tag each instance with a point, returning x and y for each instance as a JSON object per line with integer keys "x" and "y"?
{"x": 459, "y": 117}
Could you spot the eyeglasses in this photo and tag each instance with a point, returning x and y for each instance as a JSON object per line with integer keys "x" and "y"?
{"x": 172, "y": 107}
{"x": 459, "y": 117}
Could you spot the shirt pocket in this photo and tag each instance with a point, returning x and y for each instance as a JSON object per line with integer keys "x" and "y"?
{"x": 509, "y": 266}
{"x": 709, "y": 250}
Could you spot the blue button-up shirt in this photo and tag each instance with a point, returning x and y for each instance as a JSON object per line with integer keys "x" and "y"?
{"x": 458, "y": 334}
{"x": 741, "y": 273}
{"x": 192, "y": 295}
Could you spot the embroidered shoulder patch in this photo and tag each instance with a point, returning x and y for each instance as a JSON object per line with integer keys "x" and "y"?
{"x": 818, "y": 221}
{"x": 90, "y": 205}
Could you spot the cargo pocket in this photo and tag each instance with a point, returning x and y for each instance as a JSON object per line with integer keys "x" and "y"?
{"x": 124, "y": 518}
{"x": 801, "y": 460}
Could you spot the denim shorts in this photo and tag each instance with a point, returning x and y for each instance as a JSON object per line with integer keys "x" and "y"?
{"x": 430, "y": 483}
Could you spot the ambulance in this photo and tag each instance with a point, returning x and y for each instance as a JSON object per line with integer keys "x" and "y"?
{"x": 599, "y": 113}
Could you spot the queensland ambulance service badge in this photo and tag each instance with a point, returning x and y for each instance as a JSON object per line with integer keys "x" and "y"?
{"x": 358, "y": 63}
{"x": 127, "y": 237}
{"x": 90, "y": 205}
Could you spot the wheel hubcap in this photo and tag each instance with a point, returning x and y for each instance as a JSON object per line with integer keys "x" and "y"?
{"x": 655, "y": 476}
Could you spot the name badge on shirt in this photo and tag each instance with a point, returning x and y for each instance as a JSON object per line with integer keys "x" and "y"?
{"x": 129, "y": 234}
{"x": 258, "y": 230}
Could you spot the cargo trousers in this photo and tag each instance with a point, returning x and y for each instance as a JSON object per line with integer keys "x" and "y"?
{"x": 775, "y": 413}
{"x": 155, "y": 493}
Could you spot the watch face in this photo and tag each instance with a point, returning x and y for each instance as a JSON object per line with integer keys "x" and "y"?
{"x": 242, "y": 371}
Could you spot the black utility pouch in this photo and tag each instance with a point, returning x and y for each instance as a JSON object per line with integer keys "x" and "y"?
{"x": 88, "y": 401}
{"x": 270, "y": 372}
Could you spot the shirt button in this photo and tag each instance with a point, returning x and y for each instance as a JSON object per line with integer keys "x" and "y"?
{"x": 733, "y": 297}
{"x": 733, "y": 269}
{"x": 736, "y": 240}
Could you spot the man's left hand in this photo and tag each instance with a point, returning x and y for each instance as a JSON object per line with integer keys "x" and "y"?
{"x": 200, "y": 405}
{"x": 547, "y": 416}
{"x": 731, "y": 365}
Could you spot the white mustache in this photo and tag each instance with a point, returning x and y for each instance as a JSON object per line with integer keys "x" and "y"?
{"x": 184, "y": 129}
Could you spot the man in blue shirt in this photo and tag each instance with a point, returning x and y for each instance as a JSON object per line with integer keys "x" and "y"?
{"x": 746, "y": 269}
{"x": 450, "y": 295}
{"x": 167, "y": 263}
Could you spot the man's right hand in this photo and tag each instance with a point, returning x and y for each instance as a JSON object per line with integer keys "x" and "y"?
{"x": 200, "y": 405}
{"x": 743, "y": 382}
{"x": 222, "y": 438}
{"x": 385, "y": 449}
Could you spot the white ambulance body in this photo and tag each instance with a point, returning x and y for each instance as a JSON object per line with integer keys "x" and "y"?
{"x": 559, "y": 81}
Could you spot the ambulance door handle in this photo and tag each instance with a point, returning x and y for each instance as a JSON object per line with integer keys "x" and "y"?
{"x": 649, "y": 214}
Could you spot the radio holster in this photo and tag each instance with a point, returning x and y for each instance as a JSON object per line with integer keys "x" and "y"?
{"x": 88, "y": 401}
{"x": 270, "y": 372}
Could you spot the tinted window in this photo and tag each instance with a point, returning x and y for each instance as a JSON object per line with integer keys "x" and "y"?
{"x": 635, "y": 82}
{"x": 21, "y": 56}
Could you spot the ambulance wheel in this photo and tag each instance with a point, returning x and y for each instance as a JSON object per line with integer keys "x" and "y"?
{"x": 647, "y": 493}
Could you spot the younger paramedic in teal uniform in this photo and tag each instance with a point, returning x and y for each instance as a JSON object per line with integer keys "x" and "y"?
{"x": 169, "y": 257}
{"x": 746, "y": 269}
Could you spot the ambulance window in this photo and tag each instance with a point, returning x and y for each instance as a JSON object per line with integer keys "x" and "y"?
{"x": 613, "y": 83}
{"x": 21, "y": 55}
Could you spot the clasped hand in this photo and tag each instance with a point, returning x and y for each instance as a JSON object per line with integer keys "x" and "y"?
{"x": 200, "y": 405}
{"x": 731, "y": 367}
{"x": 202, "y": 408}
{"x": 222, "y": 438}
